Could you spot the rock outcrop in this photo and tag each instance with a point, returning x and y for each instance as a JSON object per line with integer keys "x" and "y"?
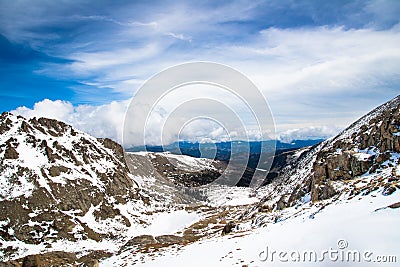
{"x": 57, "y": 183}
{"x": 364, "y": 147}
{"x": 371, "y": 145}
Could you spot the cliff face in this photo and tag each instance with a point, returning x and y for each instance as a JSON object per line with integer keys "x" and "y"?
{"x": 369, "y": 145}
{"x": 368, "y": 148}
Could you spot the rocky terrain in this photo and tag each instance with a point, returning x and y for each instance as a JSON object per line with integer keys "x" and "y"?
{"x": 55, "y": 180}
{"x": 69, "y": 199}
{"x": 184, "y": 170}
{"x": 368, "y": 147}
{"x": 76, "y": 199}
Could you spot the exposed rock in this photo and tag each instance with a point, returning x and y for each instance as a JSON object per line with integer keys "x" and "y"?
{"x": 93, "y": 258}
{"x": 55, "y": 258}
{"x": 395, "y": 205}
{"x": 169, "y": 168}
{"x": 57, "y": 170}
{"x": 228, "y": 227}
{"x": 168, "y": 239}
{"x": 11, "y": 153}
{"x": 363, "y": 147}
{"x": 140, "y": 241}
{"x": 388, "y": 190}
{"x": 31, "y": 261}
{"x": 59, "y": 187}
{"x": 281, "y": 204}
{"x": 10, "y": 264}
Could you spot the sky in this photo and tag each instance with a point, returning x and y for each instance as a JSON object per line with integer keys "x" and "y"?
{"x": 320, "y": 64}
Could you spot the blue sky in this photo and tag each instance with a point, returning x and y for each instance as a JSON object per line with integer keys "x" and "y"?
{"x": 321, "y": 64}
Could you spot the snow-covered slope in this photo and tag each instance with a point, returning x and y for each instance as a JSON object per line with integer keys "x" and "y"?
{"x": 355, "y": 232}
{"x": 58, "y": 184}
{"x": 368, "y": 146}
{"x": 63, "y": 190}
{"x": 182, "y": 169}
{"x": 41, "y": 153}
{"x": 167, "y": 178}
{"x": 77, "y": 195}
{"x": 341, "y": 196}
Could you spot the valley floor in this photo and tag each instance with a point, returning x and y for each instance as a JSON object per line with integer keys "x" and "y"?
{"x": 359, "y": 231}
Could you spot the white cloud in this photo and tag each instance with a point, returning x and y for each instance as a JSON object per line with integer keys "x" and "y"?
{"x": 108, "y": 121}
{"x": 322, "y": 76}
{"x": 95, "y": 61}
{"x": 311, "y": 76}
{"x": 180, "y": 36}
{"x": 99, "y": 121}
{"x": 59, "y": 110}
{"x": 312, "y": 133}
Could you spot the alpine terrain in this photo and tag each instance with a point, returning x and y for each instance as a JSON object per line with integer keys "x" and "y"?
{"x": 69, "y": 199}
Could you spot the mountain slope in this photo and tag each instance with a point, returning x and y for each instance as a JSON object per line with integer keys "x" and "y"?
{"x": 63, "y": 190}
{"x": 343, "y": 191}
{"x": 369, "y": 147}
{"x": 340, "y": 195}
{"x": 350, "y": 180}
{"x": 57, "y": 183}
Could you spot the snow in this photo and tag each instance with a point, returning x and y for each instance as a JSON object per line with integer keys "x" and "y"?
{"x": 181, "y": 161}
{"x": 29, "y": 156}
{"x": 220, "y": 195}
{"x": 8, "y": 191}
{"x": 364, "y": 155}
{"x": 84, "y": 245}
{"x": 34, "y": 158}
{"x": 140, "y": 153}
{"x": 353, "y": 222}
{"x": 110, "y": 225}
{"x": 188, "y": 161}
{"x": 168, "y": 223}
{"x": 360, "y": 221}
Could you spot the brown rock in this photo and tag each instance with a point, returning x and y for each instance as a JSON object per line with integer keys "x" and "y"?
{"x": 10, "y": 264}
{"x": 11, "y": 153}
{"x": 141, "y": 240}
{"x": 31, "y": 261}
{"x": 228, "y": 227}
{"x": 169, "y": 239}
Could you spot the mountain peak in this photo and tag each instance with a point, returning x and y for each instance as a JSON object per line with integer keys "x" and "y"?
{"x": 53, "y": 175}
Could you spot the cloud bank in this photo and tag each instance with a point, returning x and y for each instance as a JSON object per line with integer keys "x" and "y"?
{"x": 320, "y": 64}
{"x": 108, "y": 121}
{"x": 99, "y": 121}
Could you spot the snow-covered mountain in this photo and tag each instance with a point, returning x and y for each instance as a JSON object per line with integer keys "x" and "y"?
{"x": 62, "y": 190}
{"x": 181, "y": 169}
{"x": 60, "y": 184}
{"x": 341, "y": 195}
{"x": 370, "y": 146}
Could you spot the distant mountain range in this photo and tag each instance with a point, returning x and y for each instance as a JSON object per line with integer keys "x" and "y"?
{"x": 222, "y": 150}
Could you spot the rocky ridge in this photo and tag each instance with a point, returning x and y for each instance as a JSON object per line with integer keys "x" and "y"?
{"x": 58, "y": 183}
{"x": 370, "y": 148}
